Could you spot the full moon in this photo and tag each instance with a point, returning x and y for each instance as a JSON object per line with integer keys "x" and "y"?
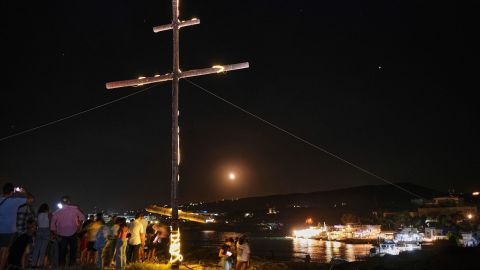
{"x": 231, "y": 176}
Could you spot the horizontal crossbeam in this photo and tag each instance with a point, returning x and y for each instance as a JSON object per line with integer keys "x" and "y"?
{"x": 214, "y": 69}
{"x": 138, "y": 82}
{"x": 181, "y": 24}
{"x": 183, "y": 74}
{"x": 181, "y": 214}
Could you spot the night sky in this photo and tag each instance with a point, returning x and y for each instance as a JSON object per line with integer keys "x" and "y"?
{"x": 388, "y": 85}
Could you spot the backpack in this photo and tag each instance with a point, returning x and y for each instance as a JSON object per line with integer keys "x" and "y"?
{"x": 101, "y": 236}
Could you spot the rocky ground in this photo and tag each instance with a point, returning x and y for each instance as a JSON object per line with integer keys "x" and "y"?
{"x": 436, "y": 257}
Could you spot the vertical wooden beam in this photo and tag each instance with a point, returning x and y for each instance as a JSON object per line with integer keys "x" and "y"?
{"x": 175, "y": 76}
{"x": 175, "y": 233}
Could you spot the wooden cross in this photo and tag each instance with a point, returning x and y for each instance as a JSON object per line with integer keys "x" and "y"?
{"x": 175, "y": 76}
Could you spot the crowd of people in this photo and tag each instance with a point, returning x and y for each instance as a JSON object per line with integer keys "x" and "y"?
{"x": 235, "y": 254}
{"x": 43, "y": 239}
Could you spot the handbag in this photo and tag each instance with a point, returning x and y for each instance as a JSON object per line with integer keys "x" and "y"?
{"x": 221, "y": 263}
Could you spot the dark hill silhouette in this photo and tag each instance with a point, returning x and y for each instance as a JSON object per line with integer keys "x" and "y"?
{"x": 326, "y": 205}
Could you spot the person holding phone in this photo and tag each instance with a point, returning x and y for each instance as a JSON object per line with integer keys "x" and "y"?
{"x": 225, "y": 254}
{"x": 10, "y": 200}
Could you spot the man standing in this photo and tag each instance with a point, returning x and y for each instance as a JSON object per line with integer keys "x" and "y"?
{"x": 11, "y": 199}
{"x": 144, "y": 223}
{"x": 243, "y": 254}
{"x": 25, "y": 213}
{"x": 64, "y": 225}
{"x": 137, "y": 240}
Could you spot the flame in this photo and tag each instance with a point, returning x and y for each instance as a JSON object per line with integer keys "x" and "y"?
{"x": 178, "y": 144}
{"x": 220, "y": 68}
{"x": 140, "y": 84}
{"x": 175, "y": 255}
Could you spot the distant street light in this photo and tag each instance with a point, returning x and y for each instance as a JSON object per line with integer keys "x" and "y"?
{"x": 470, "y": 216}
{"x": 231, "y": 176}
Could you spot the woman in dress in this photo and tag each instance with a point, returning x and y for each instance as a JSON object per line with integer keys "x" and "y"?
{"x": 121, "y": 246}
{"x": 42, "y": 237}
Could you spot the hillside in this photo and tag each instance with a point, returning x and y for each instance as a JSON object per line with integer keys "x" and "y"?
{"x": 323, "y": 205}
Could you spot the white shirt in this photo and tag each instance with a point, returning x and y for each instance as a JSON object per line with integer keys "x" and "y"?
{"x": 43, "y": 221}
{"x": 136, "y": 228}
{"x": 243, "y": 252}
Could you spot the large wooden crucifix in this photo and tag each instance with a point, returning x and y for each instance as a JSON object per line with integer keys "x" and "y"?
{"x": 175, "y": 76}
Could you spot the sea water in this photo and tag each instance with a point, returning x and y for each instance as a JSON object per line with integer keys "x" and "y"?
{"x": 280, "y": 248}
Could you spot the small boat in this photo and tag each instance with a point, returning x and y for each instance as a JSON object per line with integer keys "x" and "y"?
{"x": 408, "y": 246}
{"x": 386, "y": 247}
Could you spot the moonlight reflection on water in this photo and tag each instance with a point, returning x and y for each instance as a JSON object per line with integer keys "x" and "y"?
{"x": 281, "y": 248}
{"x": 324, "y": 251}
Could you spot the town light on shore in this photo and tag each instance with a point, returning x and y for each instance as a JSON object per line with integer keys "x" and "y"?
{"x": 476, "y": 193}
{"x": 469, "y": 216}
{"x": 307, "y": 233}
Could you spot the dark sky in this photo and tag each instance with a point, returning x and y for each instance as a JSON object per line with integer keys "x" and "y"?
{"x": 387, "y": 85}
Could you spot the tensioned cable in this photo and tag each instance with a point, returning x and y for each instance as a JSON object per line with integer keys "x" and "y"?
{"x": 232, "y": 104}
{"x": 77, "y": 114}
{"x": 302, "y": 140}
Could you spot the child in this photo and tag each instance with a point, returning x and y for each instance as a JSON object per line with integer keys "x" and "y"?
{"x": 21, "y": 247}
